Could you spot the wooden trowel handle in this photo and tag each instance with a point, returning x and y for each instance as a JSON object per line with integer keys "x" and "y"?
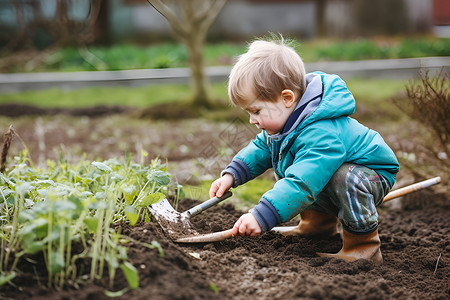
{"x": 209, "y": 237}
{"x": 412, "y": 188}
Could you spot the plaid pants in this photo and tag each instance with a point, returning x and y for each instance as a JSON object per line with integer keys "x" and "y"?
{"x": 352, "y": 195}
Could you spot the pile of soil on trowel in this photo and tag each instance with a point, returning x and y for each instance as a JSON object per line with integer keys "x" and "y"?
{"x": 415, "y": 248}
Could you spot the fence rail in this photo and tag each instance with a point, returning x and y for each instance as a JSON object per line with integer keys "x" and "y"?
{"x": 392, "y": 68}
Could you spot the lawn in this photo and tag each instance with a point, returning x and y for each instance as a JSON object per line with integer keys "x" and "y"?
{"x": 368, "y": 92}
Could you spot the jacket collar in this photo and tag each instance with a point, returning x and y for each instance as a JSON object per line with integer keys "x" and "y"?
{"x": 307, "y": 104}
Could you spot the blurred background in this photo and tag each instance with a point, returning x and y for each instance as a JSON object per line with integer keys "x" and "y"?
{"x": 31, "y": 26}
{"x": 42, "y": 23}
{"x": 94, "y": 79}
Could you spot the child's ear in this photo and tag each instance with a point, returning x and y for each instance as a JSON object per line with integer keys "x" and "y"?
{"x": 288, "y": 98}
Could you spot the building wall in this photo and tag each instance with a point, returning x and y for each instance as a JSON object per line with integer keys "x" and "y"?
{"x": 238, "y": 19}
{"x": 421, "y": 14}
{"x": 339, "y": 18}
{"x": 136, "y": 18}
{"x": 244, "y": 19}
{"x": 441, "y": 12}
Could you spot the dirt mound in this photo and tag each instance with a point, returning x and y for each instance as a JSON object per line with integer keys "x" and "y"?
{"x": 415, "y": 247}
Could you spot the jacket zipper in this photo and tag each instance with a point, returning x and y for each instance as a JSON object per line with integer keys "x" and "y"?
{"x": 279, "y": 160}
{"x": 280, "y": 156}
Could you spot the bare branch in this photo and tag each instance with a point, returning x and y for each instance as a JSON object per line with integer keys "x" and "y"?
{"x": 170, "y": 15}
{"x": 92, "y": 18}
{"x": 7, "y": 143}
{"x": 212, "y": 12}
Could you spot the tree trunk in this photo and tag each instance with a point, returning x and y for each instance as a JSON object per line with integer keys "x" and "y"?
{"x": 321, "y": 6}
{"x": 199, "y": 81}
{"x": 190, "y": 21}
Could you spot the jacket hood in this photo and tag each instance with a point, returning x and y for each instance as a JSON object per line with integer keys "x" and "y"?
{"x": 337, "y": 100}
{"x": 326, "y": 97}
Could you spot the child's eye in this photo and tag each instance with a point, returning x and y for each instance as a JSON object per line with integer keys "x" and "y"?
{"x": 256, "y": 112}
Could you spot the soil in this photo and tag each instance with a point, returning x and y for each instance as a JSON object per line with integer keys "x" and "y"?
{"x": 415, "y": 233}
{"x": 16, "y": 110}
{"x": 415, "y": 248}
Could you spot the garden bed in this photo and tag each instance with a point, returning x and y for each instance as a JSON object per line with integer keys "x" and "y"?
{"x": 415, "y": 234}
{"x": 415, "y": 247}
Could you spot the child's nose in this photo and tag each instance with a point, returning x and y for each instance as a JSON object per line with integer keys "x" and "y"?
{"x": 253, "y": 120}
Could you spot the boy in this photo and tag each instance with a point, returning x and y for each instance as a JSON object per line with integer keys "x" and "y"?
{"x": 328, "y": 165}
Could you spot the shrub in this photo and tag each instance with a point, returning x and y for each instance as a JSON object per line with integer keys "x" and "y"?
{"x": 427, "y": 101}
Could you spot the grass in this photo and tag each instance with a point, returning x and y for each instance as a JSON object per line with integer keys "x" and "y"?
{"x": 367, "y": 92}
{"x": 374, "y": 90}
{"x": 373, "y": 93}
{"x": 137, "y": 97}
{"x": 87, "y": 97}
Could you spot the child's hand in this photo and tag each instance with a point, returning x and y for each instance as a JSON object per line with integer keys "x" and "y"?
{"x": 221, "y": 185}
{"x": 247, "y": 225}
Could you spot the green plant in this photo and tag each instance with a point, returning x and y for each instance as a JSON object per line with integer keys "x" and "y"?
{"x": 117, "y": 57}
{"x": 369, "y": 49}
{"x": 49, "y": 211}
{"x": 423, "y": 47}
{"x": 356, "y": 50}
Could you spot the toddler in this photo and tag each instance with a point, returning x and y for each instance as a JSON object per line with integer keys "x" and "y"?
{"x": 328, "y": 166}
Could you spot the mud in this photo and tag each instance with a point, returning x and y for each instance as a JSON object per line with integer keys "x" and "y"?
{"x": 415, "y": 247}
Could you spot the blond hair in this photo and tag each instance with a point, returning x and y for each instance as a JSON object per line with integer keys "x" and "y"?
{"x": 266, "y": 69}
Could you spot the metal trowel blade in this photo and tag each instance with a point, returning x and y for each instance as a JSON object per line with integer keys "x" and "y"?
{"x": 174, "y": 223}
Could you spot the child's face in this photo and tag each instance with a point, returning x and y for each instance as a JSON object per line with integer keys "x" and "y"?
{"x": 271, "y": 116}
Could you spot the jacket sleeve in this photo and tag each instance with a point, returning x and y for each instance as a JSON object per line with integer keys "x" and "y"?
{"x": 251, "y": 161}
{"x": 314, "y": 164}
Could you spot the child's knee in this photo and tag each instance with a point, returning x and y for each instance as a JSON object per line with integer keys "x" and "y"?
{"x": 355, "y": 191}
{"x": 356, "y": 181}
{"x": 339, "y": 178}
{"x": 358, "y": 197}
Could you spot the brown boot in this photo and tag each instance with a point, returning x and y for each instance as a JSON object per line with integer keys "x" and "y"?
{"x": 313, "y": 223}
{"x": 359, "y": 246}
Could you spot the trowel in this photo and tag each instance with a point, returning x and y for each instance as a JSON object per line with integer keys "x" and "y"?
{"x": 176, "y": 224}
{"x": 222, "y": 235}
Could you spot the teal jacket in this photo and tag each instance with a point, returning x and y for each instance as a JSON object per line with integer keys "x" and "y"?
{"x": 317, "y": 139}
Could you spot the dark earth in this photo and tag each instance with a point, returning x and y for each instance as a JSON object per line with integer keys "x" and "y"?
{"x": 415, "y": 232}
{"x": 415, "y": 247}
